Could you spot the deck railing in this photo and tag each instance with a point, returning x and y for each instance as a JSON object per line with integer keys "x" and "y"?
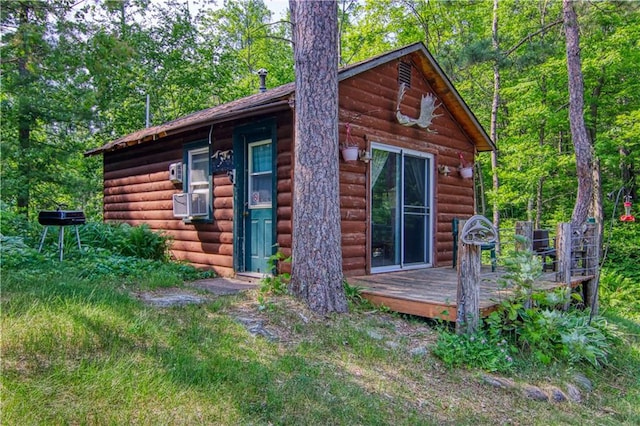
{"x": 573, "y": 254}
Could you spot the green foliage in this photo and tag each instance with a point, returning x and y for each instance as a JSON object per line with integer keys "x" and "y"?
{"x": 620, "y": 277}
{"x": 46, "y": 107}
{"x": 111, "y": 238}
{"x": 245, "y": 41}
{"x": 536, "y": 324}
{"x": 523, "y": 269}
{"x": 14, "y": 253}
{"x": 622, "y": 248}
{"x": 94, "y": 264}
{"x": 531, "y": 325}
{"x": 276, "y": 283}
{"x": 97, "y": 263}
{"x": 108, "y": 251}
{"x": 620, "y": 294}
{"x": 14, "y": 224}
{"x": 480, "y": 350}
{"x": 551, "y": 335}
{"x": 353, "y": 293}
{"x": 126, "y": 240}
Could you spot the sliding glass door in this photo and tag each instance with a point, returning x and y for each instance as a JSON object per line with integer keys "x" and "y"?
{"x": 401, "y": 197}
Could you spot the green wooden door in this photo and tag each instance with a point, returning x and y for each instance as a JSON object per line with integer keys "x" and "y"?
{"x": 259, "y": 215}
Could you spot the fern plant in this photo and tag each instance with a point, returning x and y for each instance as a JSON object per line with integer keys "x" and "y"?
{"x": 536, "y": 323}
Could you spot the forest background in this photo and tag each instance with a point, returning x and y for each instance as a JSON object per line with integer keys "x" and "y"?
{"x": 76, "y": 75}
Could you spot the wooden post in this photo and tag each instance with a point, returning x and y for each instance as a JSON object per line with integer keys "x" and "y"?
{"x": 563, "y": 256}
{"x": 468, "y": 295}
{"x": 524, "y": 229}
{"x": 592, "y": 266}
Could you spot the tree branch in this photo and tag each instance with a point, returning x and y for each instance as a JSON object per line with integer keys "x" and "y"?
{"x": 529, "y": 36}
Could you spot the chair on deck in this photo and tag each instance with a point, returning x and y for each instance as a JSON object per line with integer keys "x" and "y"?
{"x": 488, "y": 246}
{"x": 542, "y": 248}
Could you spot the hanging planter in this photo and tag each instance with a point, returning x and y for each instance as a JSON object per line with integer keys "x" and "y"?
{"x": 466, "y": 172}
{"x": 350, "y": 153}
{"x": 465, "y": 169}
{"x": 349, "y": 148}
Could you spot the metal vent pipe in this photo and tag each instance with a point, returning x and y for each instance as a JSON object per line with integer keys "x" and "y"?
{"x": 262, "y": 73}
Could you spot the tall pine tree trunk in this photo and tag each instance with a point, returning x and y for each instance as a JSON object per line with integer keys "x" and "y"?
{"x": 494, "y": 121}
{"x": 581, "y": 145}
{"x": 316, "y": 268}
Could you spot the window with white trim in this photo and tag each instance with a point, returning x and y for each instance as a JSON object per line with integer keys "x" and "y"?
{"x": 195, "y": 202}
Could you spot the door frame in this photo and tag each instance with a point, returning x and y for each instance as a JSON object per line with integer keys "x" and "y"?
{"x": 430, "y": 199}
{"x": 242, "y": 137}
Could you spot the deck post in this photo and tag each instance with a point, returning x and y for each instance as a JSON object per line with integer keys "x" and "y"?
{"x": 468, "y": 295}
{"x": 524, "y": 229}
{"x": 592, "y": 267}
{"x": 563, "y": 254}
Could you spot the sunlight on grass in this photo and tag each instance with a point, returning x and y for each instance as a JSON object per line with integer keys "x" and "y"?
{"x": 88, "y": 351}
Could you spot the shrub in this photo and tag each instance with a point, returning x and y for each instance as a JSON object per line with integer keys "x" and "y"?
{"x": 621, "y": 244}
{"x": 275, "y": 283}
{"x": 14, "y": 253}
{"x": 17, "y": 225}
{"x": 533, "y": 324}
{"x": 536, "y": 323}
{"x": 479, "y": 350}
{"x": 115, "y": 251}
{"x": 620, "y": 293}
{"x": 126, "y": 240}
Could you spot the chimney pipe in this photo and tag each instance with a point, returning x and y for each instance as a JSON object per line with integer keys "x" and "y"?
{"x": 262, "y": 73}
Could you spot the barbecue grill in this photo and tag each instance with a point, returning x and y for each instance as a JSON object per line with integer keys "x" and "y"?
{"x": 60, "y": 218}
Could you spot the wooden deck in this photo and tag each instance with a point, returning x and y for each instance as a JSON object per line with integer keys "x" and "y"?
{"x": 431, "y": 292}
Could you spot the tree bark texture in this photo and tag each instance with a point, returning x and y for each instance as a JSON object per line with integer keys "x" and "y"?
{"x": 468, "y": 292}
{"x": 563, "y": 258}
{"x": 524, "y": 229}
{"x": 494, "y": 123}
{"x": 581, "y": 144}
{"x": 316, "y": 268}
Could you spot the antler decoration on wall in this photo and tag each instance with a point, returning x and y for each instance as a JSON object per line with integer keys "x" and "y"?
{"x": 427, "y": 108}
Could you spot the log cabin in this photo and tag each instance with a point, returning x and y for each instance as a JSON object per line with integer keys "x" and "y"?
{"x": 219, "y": 181}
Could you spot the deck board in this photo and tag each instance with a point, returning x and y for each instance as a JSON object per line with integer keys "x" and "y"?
{"x": 431, "y": 292}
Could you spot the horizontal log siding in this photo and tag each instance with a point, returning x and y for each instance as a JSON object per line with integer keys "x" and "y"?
{"x": 137, "y": 190}
{"x": 368, "y": 104}
{"x": 284, "y": 185}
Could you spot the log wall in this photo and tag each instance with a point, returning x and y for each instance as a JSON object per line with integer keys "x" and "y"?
{"x": 137, "y": 190}
{"x": 368, "y": 104}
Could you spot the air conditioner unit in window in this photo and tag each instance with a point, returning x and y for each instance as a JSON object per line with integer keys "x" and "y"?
{"x": 175, "y": 172}
{"x": 190, "y": 204}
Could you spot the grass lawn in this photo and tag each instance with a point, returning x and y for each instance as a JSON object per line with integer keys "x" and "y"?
{"x": 81, "y": 350}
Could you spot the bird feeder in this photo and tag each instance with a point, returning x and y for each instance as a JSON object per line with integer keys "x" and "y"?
{"x": 627, "y": 216}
